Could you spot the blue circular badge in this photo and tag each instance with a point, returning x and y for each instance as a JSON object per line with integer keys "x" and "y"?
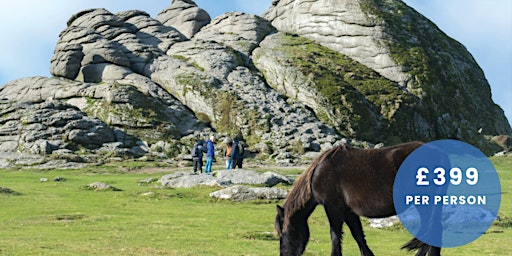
{"x": 447, "y": 193}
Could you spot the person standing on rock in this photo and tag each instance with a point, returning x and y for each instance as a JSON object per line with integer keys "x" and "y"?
{"x": 197, "y": 156}
{"x": 210, "y": 154}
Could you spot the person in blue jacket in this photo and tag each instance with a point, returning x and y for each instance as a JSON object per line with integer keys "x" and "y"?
{"x": 210, "y": 154}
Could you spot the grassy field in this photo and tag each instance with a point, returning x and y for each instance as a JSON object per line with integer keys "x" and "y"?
{"x": 63, "y": 218}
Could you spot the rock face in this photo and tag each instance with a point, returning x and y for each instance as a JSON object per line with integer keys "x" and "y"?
{"x": 341, "y": 25}
{"x": 296, "y": 81}
{"x": 431, "y": 77}
{"x": 49, "y": 126}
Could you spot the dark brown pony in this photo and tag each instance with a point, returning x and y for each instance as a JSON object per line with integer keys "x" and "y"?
{"x": 349, "y": 182}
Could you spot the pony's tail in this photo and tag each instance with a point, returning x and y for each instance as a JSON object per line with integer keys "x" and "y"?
{"x": 416, "y": 244}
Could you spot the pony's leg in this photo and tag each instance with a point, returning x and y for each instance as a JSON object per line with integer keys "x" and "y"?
{"x": 335, "y": 222}
{"x": 354, "y": 223}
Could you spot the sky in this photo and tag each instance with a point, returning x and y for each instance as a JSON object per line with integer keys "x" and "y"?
{"x": 31, "y": 29}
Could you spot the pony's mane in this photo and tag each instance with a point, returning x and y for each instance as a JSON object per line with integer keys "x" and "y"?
{"x": 301, "y": 191}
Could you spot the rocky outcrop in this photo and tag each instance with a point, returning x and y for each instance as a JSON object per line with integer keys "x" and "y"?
{"x": 341, "y": 25}
{"x": 185, "y": 16}
{"x": 292, "y": 83}
{"x": 129, "y": 39}
{"x": 337, "y": 88}
{"x": 132, "y": 109}
{"x": 50, "y": 126}
{"x": 437, "y": 75}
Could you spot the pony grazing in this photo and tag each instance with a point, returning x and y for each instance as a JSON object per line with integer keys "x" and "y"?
{"x": 349, "y": 182}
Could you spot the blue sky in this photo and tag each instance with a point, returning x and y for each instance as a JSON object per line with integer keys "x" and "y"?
{"x": 31, "y": 29}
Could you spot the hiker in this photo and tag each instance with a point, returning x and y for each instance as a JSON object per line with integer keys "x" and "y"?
{"x": 197, "y": 156}
{"x": 227, "y": 153}
{"x": 237, "y": 154}
{"x": 241, "y": 154}
{"x": 210, "y": 154}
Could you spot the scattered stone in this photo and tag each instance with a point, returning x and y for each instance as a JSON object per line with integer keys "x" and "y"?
{"x": 101, "y": 186}
{"x": 174, "y": 175}
{"x": 58, "y": 179}
{"x": 150, "y": 193}
{"x": 4, "y": 190}
{"x": 146, "y": 181}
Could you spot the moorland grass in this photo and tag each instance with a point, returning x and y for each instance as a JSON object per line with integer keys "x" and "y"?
{"x": 62, "y": 218}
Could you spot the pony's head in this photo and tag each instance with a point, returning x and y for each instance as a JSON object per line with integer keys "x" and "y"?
{"x": 293, "y": 232}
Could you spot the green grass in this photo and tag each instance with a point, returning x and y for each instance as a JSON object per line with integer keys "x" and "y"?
{"x": 62, "y": 218}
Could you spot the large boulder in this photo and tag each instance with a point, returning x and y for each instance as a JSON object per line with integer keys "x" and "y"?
{"x": 241, "y": 31}
{"x": 250, "y": 177}
{"x": 242, "y": 194}
{"x": 223, "y": 178}
{"x": 189, "y": 180}
{"x": 213, "y": 57}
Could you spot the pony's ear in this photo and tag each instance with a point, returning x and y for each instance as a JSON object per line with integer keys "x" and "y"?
{"x": 280, "y": 211}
